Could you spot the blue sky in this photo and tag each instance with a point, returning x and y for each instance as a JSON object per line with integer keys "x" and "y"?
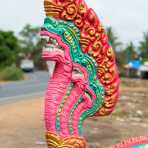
{"x": 129, "y": 18}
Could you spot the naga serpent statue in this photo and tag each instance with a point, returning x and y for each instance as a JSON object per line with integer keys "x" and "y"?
{"x": 85, "y": 79}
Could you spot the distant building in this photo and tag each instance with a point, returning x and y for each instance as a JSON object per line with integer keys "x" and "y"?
{"x": 132, "y": 68}
{"x": 144, "y": 70}
{"x": 135, "y": 68}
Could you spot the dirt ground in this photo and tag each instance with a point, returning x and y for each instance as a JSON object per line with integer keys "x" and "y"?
{"x": 22, "y": 126}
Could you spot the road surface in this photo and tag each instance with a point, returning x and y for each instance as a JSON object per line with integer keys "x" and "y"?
{"x": 35, "y": 85}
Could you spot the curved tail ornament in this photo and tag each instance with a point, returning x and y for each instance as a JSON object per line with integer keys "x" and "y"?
{"x": 140, "y": 142}
{"x": 85, "y": 81}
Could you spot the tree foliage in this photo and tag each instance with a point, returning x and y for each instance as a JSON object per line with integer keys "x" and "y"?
{"x": 144, "y": 47}
{"x": 9, "y": 48}
{"x": 29, "y": 39}
{"x": 113, "y": 38}
{"x": 128, "y": 53}
{"x": 31, "y": 44}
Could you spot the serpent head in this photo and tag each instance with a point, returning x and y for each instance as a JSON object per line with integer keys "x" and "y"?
{"x": 65, "y": 46}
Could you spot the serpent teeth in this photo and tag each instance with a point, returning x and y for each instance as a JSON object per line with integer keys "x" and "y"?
{"x": 53, "y": 41}
{"x": 46, "y": 38}
{"x": 51, "y": 45}
{"x": 46, "y": 49}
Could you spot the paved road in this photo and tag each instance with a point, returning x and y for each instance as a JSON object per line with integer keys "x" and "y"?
{"x": 34, "y": 86}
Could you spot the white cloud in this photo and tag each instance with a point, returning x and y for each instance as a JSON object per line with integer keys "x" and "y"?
{"x": 128, "y": 17}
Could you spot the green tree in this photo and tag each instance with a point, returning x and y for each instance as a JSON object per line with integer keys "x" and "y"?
{"x": 31, "y": 45}
{"x": 144, "y": 47}
{"x": 29, "y": 38}
{"x": 127, "y": 54}
{"x": 113, "y": 38}
{"x": 9, "y": 48}
{"x": 131, "y": 52}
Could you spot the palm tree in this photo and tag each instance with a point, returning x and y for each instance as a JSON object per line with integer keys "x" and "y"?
{"x": 144, "y": 47}
{"x": 131, "y": 52}
{"x": 113, "y": 38}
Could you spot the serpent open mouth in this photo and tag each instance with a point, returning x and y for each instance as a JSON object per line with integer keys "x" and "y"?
{"x": 51, "y": 45}
{"x": 51, "y": 48}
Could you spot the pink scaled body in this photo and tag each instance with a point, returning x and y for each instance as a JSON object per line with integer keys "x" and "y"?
{"x": 58, "y": 102}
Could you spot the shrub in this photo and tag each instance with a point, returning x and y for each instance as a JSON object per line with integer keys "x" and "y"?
{"x": 11, "y": 73}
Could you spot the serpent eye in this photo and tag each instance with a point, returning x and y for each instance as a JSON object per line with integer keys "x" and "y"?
{"x": 88, "y": 95}
{"x": 77, "y": 73}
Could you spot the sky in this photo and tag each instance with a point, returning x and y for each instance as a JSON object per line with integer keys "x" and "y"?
{"x": 129, "y": 18}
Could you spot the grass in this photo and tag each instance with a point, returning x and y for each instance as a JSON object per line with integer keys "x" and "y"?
{"x": 11, "y": 73}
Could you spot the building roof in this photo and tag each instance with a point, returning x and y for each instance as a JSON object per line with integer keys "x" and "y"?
{"x": 135, "y": 64}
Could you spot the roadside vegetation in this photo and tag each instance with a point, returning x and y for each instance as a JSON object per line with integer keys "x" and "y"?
{"x": 11, "y": 73}
{"x": 15, "y": 48}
